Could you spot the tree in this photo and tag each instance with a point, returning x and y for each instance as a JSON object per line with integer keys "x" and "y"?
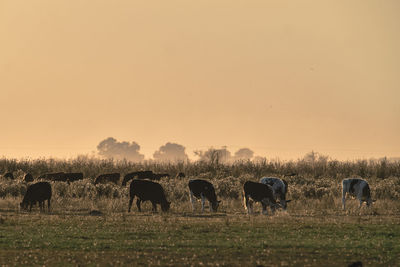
{"x": 171, "y": 152}
{"x": 244, "y": 154}
{"x": 111, "y": 148}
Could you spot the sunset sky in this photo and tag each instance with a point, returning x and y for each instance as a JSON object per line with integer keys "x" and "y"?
{"x": 279, "y": 77}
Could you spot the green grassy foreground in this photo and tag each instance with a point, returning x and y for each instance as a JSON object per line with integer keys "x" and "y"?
{"x": 198, "y": 239}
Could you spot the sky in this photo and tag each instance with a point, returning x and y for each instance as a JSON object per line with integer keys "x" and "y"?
{"x": 279, "y": 77}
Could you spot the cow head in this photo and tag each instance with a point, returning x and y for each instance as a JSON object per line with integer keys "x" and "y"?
{"x": 215, "y": 205}
{"x": 165, "y": 206}
{"x": 283, "y": 203}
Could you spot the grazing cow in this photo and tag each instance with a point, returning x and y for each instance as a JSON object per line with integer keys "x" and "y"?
{"x": 158, "y": 176}
{"x": 108, "y": 178}
{"x": 28, "y": 178}
{"x": 138, "y": 175}
{"x": 147, "y": 190}
{"x": 180, "y": 175}
{"x": 358, "y": 188}
{"x": 9, "y": 175}
{"x": 57, "y": 176}
{"x": 62, "y": 176}
{"x": 280, "y": 188}
{"x": 205, "y": 190}
{"x": 38, "y": 192}
{"x": 259, "y": 193}
{"x": 73, "y": 176}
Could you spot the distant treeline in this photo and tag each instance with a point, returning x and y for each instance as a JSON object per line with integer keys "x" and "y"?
{"x": 309, "y": 167}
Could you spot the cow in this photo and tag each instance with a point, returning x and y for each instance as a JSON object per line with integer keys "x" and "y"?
{"x": 138, "y": 175}
{"x": 108, "y": 178}
{"x": 62, "y": 176}
{"x": 73, "y": 176}
{"x": 259, "y": 192}
{"x": 9, "y": 175}
{"x": 280, "y": 188}
{"x": 57, "y": 176}
{"x": 356, "y": 187}
{"x": 205, "y": 190}
{"x": 158, "y": 176}
{"x": 147, "y": 190}
{"x": 38, "y": 192}
{"x": 28, "y": 178}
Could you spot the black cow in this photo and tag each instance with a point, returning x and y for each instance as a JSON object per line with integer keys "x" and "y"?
{"x": 259, "y": 193}
{"x": 158, "y": 176}
{"x": 138, "y": 175}
{"x": 57, "y": 176}
{"x": 205, "y": 190}
{"x": 38, "y": 192}
{"x": 9, "y": 175}
{"x": 62, "y": 176}
{"x": 108, "y": 178}
{"x": 73, "y": 176}
{"x": 28, "y": 178}
{"x": 147, "y": 190}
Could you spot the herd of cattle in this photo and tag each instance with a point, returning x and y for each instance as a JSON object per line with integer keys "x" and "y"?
{"x": 269, "y": 191}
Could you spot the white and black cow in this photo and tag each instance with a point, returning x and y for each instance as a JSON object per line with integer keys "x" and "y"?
{"x": 280, "y": 188}
{"x": 259, "y": 192}
{"x": 358, "y": 188}
{"x": 205, "y": 190}
{"x": 147, "y": 190}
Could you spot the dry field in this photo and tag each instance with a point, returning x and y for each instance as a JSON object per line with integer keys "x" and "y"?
{"x": 314, "y": 231}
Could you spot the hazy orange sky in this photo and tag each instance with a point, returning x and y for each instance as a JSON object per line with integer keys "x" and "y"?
{"x": 280, "y": 77}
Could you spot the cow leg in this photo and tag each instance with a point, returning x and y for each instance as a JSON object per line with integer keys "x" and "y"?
{"x": 154, "y": 206}
{"x": 264, "y": 209}
{"x": 48, "y": 205}
{"x": 344, "y": 201}
{"x": 30, "y": 207}
{"x": 209, "y": 203}
{"x": 361, "y": 203}
{"x": 203, "y": 202}
{"x": 130, "y": 204}
{"x": 248, "y": 205}
{"x": 192, "y": 200}
{"x": 138, "y": 204}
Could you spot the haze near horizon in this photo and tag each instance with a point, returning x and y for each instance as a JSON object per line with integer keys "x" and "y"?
{"x": 279, "y": 77}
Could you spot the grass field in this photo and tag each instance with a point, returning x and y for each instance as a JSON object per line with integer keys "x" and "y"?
{"x": 299, "y": 237}
{"x": 314, "y": 231}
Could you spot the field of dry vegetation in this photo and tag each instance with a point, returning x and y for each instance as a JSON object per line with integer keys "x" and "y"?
{"x": 314, "y": 231}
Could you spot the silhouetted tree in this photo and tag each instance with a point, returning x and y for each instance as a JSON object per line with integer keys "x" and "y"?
{"x": 171, "y": 152}
{"x": 111, "y": 148}
{"x": 244, "y": 154}
{"x": 214, "y": 156}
